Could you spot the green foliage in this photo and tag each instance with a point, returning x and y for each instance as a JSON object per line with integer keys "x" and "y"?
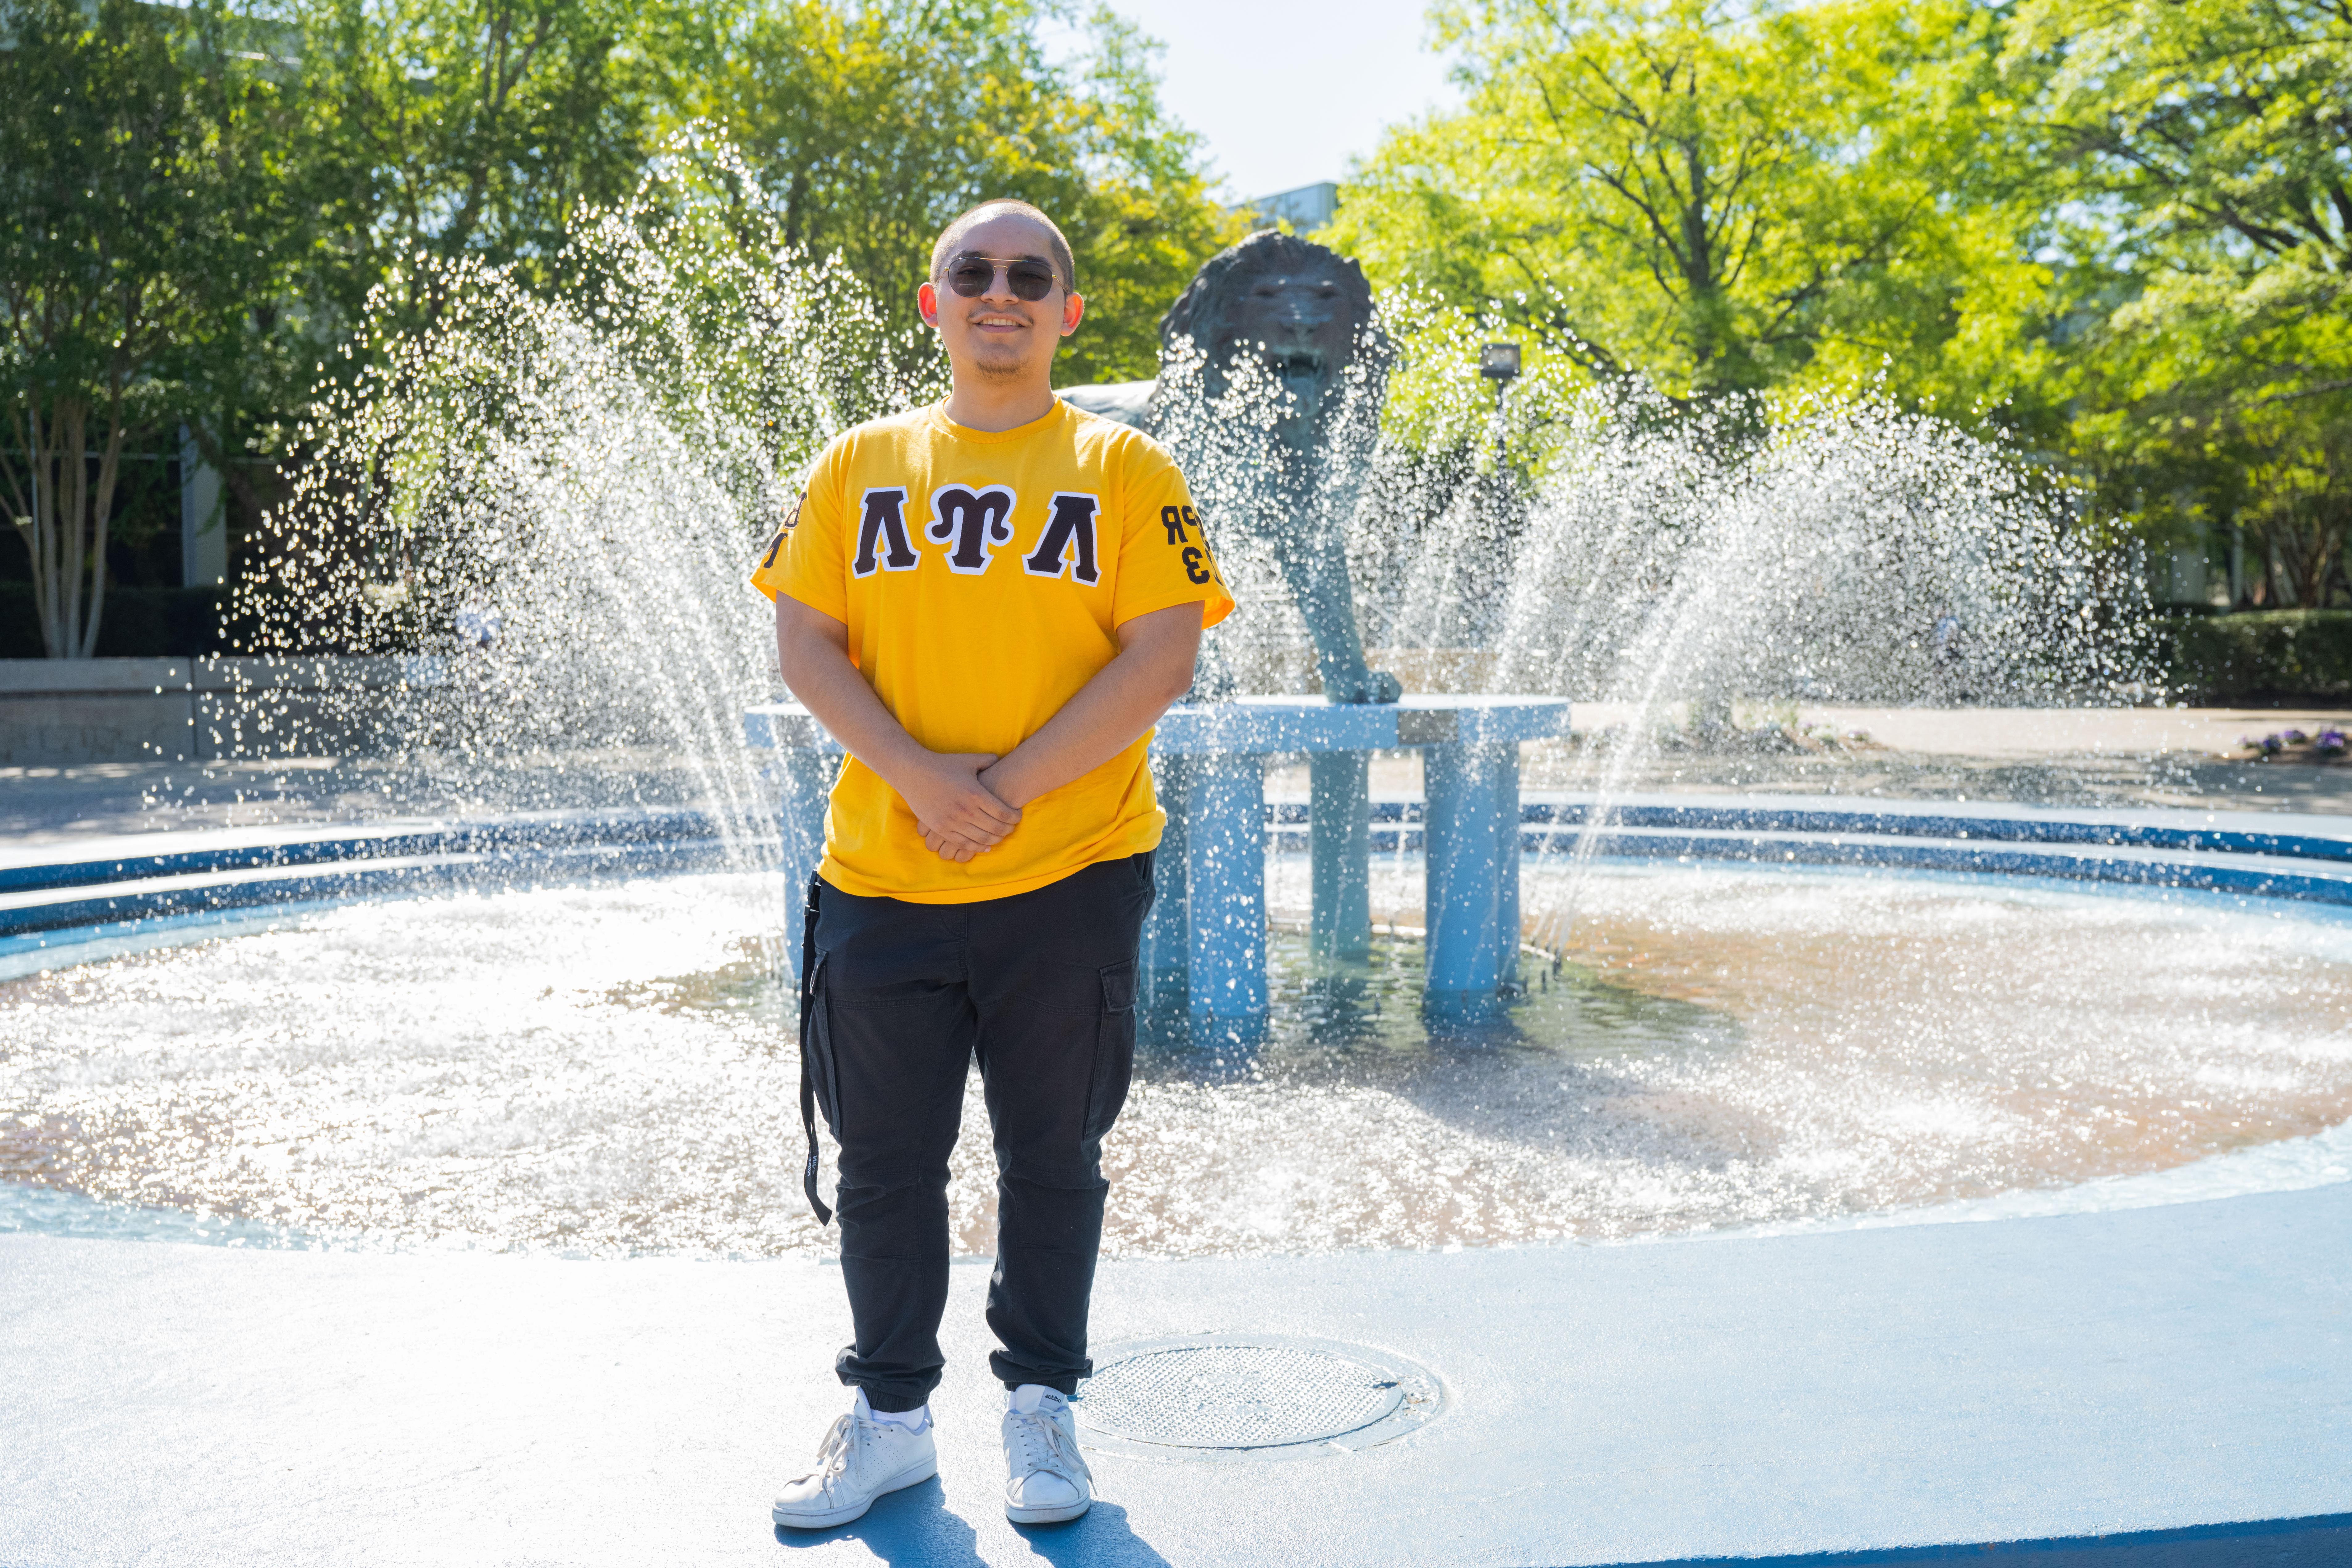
{"x": 1717, "y": 199}
{"x": 137, "y": 172}
{"x": 1439, "y": 402}
{"x": 871, "y": 126}
{"x": 2274, "y": 653}
{"x": 221, "y": 219}
{"x": 2116, "y": 232}
{"x": 479, "y": 129}
{"x": 2213, "y": 140}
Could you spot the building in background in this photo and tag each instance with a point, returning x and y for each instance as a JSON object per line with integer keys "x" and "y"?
{"x": 203, "y": 519}
{"x": 1306, "y": 209}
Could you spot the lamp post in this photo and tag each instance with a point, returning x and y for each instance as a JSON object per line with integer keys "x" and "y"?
{"x": 1499, "y": 362}
{"x": 1500, "y": 365}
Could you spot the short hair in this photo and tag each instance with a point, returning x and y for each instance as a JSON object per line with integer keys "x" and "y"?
{"x": 1055, "y": 241}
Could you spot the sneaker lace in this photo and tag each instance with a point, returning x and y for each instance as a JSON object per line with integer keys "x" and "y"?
{"x": 1044, "y": 1446}
{"x": 832, "y": 1454}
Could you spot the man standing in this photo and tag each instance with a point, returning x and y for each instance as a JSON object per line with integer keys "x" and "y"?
{"x": 989, "y": 602}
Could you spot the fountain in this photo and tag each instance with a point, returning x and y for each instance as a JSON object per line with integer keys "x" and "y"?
{"x": 1283, "y": 331}
{"x": 544, "y": 511}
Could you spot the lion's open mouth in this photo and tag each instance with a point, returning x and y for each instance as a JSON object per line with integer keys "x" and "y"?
{"x": 1300, "y": 372}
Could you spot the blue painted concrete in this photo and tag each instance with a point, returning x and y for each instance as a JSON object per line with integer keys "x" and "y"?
{"x": 103, "y": 882}
{"x": 1340, "y": 853}
{"x": 1308, "y": 724}
{"x": 59, "y": 889}
{"x": 1267, "y": 724}
{"x": 1224, "y": 870}
{"x": 2265, "y": 1543}
{"x": 1867, "y": 1391}
{"x": 1471, "y": 901}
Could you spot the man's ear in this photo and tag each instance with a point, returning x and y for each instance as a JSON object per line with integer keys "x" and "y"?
{"x": 1073, "y": 306}
{"x": 927, "y": 305}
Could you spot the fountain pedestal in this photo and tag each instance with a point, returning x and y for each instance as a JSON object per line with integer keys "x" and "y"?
{"x": 1205, "y": 947}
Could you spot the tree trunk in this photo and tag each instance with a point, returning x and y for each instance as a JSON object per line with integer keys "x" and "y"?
{"x": 66, "y": 530}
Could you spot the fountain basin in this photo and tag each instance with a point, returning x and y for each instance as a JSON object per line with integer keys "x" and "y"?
{"x": 1642, "y": 1087}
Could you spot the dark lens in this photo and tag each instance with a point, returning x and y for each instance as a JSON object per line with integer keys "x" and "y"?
{"x": 1031, "y": 279}
{"x": 971, "y": 276}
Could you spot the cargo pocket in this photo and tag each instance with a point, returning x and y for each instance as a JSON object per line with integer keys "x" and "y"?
{"x": 824, "y": 1075}
{"x": 1114, "y": 1050}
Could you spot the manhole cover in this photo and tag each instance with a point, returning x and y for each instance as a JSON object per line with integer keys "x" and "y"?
{"x": 1233, "y": 1396}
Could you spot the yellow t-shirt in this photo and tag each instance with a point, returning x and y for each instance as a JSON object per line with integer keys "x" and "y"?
{"x": 982, "y": 576}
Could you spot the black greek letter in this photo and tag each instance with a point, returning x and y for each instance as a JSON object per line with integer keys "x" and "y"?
{"x": 1071, "y": 526}
{"x": 975, "y": 520}
{"x": 884, "y": 525}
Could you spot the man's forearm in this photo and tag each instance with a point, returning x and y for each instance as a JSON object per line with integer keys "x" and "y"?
{"x": 824, "y": 682}
{"x": 959, "y": 816}
{"x": 1124, "y": 699}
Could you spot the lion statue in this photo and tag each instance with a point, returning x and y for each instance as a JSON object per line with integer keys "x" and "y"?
{"x": 1294, "y": 319}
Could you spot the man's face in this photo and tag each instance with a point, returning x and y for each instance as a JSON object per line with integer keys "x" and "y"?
{"x": 998, "y": 334}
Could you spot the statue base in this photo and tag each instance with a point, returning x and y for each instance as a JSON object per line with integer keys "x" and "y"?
{"x": 1205, "y": 947}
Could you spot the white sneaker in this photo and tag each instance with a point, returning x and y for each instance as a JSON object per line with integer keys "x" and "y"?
{"x": 859, "y": 1459}
{"x": 1045, "y": 1481}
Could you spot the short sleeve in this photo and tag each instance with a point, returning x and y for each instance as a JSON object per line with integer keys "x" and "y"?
{"x": 805, "y": 560}
{"x": 1164, "y": 559}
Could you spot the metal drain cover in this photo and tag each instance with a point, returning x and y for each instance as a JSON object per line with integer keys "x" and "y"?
{"x": 1250, "y": 1396}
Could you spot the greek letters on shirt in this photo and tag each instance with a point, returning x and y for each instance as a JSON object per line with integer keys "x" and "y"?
{"x": 971, "y": 523}
{"x": 791, "y": 521}
{"x": 1068, "y": 541}
{"x": 883, "y": 527}
{"x": 1181, "y": 523}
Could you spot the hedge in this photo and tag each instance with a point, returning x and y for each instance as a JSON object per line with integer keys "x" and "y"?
{"x": 2260, "y": 654}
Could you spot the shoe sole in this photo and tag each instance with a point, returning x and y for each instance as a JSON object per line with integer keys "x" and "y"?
{"x": 915, "y": 1477}
{"x": 1062, "y": 1515}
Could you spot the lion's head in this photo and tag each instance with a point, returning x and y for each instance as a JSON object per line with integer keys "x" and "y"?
{"x": 1301, "y": 308}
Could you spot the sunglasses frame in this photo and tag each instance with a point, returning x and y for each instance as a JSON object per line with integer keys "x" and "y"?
{"x": 1003, "y": 264}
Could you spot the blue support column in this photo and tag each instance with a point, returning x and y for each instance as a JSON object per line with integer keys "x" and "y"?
{"x": 1507, "y": 886}
{"x": 1225, "y": 870}
{"x": 1472, "y": 832}
{"x": 1340, "y": 856}
{"x": 1165, "y": 957}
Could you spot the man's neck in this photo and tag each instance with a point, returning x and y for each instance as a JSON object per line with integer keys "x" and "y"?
{"x": 993, "y": 405}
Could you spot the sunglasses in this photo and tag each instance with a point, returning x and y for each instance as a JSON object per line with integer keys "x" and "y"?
{"x": 1031, "y": 279}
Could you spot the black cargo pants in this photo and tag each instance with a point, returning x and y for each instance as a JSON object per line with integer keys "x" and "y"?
{"x": 1040, "y": 988}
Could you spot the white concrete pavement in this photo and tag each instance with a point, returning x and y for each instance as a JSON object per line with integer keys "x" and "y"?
{"x": 1865, "y": 1390}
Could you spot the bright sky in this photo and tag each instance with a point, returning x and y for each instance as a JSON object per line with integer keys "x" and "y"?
{"x": 1283, "y": 90}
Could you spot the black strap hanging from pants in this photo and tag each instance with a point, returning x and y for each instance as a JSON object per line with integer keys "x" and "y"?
{"x": 808, "y": 1086}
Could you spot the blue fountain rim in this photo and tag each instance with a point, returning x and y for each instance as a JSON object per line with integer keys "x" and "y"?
{"x": 69, "y": 901}
{"x": 100, "y": 888}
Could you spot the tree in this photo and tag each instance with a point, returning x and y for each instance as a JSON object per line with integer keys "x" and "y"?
{"x": 1714, "y": 197}
{"x": 2212, "y": 142}
{"x": 426, "y": 131}
{"x": 477, "y": 129}
{"x": 128, "y": 171}
{"x": 872, "y": 125}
